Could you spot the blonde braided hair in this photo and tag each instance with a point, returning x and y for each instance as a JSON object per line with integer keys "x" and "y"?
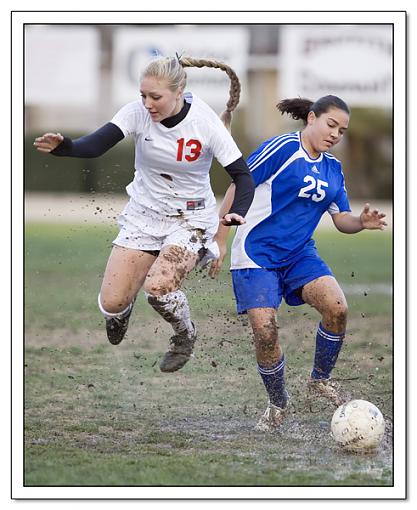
{"x": 172, "y": 69}
{"x": 234, "y": 91}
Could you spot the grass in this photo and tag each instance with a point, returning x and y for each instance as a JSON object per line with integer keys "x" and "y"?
{"x": 97, "y": 415}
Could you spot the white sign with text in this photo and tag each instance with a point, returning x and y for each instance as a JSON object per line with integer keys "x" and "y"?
{"x": 135, "y": 46}
{"x": 353, "y": 62}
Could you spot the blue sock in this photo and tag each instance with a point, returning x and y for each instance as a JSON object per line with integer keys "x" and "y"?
{"x": 328, "y": 346}
{"x": 273, "y": 379}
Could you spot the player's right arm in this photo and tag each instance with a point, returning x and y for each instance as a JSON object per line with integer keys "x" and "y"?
{"x": 89, "y": 146}
{"x": 48, "y": 142}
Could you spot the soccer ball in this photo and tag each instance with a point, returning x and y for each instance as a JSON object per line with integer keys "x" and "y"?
{"x": 358, "y": 426}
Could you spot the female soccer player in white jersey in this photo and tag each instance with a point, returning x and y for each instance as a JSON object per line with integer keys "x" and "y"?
{"x": 170, "y": 219}
{"x": 274, "y": 255}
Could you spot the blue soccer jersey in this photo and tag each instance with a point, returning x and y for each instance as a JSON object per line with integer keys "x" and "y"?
{"x": 292, "y": 193}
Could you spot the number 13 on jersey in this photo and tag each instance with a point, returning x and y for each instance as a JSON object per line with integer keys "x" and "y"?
{"x": 192, "y": 149}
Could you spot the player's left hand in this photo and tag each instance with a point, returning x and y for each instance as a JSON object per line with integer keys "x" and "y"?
{"x": 231, "y": 219}
{"x": 372, "y": 220}
{"x": 217, "y": 263}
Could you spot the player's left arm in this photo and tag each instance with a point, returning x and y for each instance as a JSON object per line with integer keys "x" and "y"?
{"x": 227, "y": 153}
{"x": 369, "y": 219}
{"x": 235, "y": 205}
{"x": 244, "y": 190}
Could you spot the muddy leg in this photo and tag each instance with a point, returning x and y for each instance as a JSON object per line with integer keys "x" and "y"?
{"x": 162, "y": 287}
{"x": 269, "y": 356}
{"x": 327, "y": 297}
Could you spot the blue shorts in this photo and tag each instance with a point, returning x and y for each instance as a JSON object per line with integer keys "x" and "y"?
{"x": 264, "y": 288}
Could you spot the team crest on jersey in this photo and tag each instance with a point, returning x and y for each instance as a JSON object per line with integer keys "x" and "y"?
{"x": 315, "y": 169}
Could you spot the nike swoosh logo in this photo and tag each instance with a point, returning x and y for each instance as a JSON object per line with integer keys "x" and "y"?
{"x": 148, "y": 139}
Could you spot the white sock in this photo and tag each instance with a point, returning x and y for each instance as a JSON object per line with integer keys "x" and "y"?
{"x": 109, "y": 315}
{"x": 174, "y": 308}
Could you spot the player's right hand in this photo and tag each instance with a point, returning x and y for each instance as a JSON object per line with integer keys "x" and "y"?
{"x": 48, "y": 142}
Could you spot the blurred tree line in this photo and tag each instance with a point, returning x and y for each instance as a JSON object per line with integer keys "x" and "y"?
{"x": 366, "y": 155}
{"x": 369, "y": 165}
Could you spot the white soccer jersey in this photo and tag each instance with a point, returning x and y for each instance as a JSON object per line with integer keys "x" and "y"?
{"x": 172, "y": 164}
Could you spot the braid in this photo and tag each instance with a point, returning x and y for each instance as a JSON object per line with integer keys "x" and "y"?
{"x": 234, "y": 91}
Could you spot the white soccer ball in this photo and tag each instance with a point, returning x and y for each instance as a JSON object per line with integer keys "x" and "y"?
{"x": 358, "y": 426}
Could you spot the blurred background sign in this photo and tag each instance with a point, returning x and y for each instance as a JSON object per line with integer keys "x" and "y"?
{"x": 351, "y": 61}
{"x": 134, "y": 47}
{"x": 61, "y": 65}
{"x": 78, "y": 76}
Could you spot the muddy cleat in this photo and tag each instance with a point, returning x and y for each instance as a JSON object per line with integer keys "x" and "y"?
{"x": 327, "y": 389}
{"x": 271, "y": 419}
{"x": 180, "y": 351}
{"x": 116, "y": 328}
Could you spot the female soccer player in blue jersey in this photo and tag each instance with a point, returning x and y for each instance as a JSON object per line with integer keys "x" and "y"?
{"x": 171, "y": 217}
{"x": 274, "y": 255}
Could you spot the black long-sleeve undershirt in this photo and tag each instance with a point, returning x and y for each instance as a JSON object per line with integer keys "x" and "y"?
{"x": 245, "y": 186}
{"x": 92, "y": 145}
{"x": 99, "y": 142}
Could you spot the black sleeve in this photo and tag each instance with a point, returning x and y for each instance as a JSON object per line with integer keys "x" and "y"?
{"x": 92, "y": 145}
{"x": 245, "y": 186}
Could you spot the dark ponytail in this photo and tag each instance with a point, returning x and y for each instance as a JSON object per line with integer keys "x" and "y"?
{"x": 299, "y": 108}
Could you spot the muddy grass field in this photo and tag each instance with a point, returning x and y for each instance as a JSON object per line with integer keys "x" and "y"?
{"x": 103, "y": 415}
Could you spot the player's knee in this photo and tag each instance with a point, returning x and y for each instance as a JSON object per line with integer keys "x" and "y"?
{"x": 266, "y": 345}
{"x": 157, "y": 287}
{"x": 266, "y": 337}
{"x": 112, "y": 304}
{"x": 337, "y": 315}
{"x": 341, "y": 312}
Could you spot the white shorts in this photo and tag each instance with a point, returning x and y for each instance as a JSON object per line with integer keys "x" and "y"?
{"x": 142, "y": 228}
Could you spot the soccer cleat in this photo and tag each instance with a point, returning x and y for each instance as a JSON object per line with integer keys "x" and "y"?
{"x": 327, "y": 389}
{"x": 271, "y": 419}
{"x": 180, "y": 351}
{"x": 116, "y": 328}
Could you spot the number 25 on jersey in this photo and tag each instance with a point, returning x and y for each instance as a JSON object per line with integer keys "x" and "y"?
{"x": 316, "y": 185}
{"x": 192, "y": 149}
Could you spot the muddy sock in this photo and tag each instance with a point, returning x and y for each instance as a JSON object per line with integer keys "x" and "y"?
{"x": 274, "y": 381}
{"x": 174, "y": 308}
{"x": 117, "y": 315}
{"x": 328, "y": 346}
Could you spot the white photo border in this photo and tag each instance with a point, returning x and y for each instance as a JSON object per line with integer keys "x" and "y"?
{"x": 398, "y": 20}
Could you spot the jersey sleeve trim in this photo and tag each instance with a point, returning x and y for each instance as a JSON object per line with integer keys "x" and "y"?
{"x": 334, "y": 209}
{"x": 270, "y": 149}
{"x": 330, "y": 156}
